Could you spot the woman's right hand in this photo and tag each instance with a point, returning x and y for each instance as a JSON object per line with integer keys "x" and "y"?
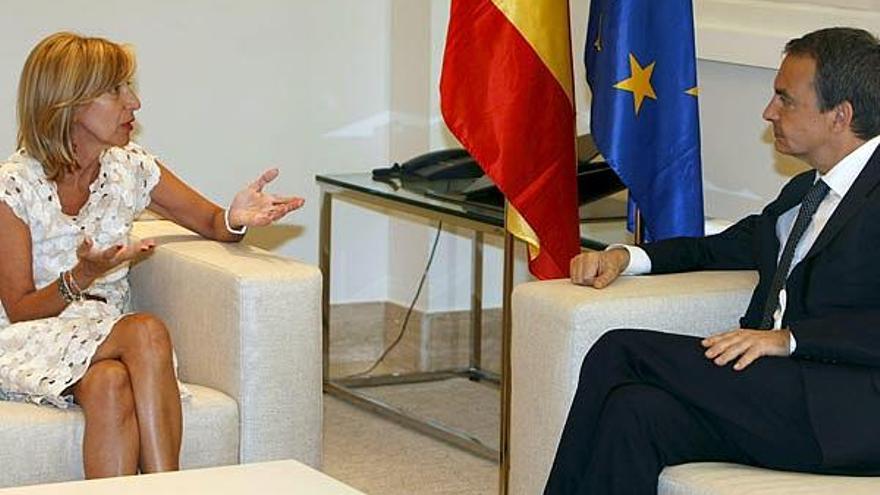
{"x": 252, "y": 207}
{"x": 95, "y": 262}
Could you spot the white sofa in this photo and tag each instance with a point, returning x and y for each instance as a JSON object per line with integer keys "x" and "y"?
{"x": 556, "y": 322}
{"x": 246, "y": 327}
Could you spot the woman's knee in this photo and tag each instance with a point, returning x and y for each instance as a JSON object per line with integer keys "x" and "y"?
{"x": 147, "y": 335}
{"x": 106, "y": 387}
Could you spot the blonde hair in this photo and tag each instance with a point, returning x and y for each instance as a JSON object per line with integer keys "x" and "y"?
{"x": 63, "y": 71}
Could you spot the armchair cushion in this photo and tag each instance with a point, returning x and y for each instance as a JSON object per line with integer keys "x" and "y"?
{"x": 717, "y": 478}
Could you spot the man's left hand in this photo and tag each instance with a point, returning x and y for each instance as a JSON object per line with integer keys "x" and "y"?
{"x": 744, "y": 346}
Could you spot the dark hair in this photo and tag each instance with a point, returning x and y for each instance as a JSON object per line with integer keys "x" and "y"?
{"x": 847, "y": 69}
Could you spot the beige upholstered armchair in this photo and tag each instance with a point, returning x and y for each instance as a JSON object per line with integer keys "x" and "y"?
{"x": 556, "y": 322}
{"x": 246, "y": 327}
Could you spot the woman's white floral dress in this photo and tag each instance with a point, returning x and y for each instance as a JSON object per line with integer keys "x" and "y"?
{"x": 39, "y": 359}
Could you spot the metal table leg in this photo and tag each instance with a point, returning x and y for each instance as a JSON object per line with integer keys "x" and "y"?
{"x": 324, "y": 239}
{"x": 476, "y": 357}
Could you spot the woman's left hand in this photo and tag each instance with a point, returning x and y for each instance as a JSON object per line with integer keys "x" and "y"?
{"x": 253, "y": 207}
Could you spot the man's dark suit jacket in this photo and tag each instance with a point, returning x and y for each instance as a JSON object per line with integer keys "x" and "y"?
{"x": 833, "y": 307}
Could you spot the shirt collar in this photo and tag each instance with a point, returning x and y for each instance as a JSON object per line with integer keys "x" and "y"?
{"x": 841, "y": 176}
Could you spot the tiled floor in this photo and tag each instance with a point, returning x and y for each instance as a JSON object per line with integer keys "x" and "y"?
{"x": 381, "y": 458}
{"x": 376, "y": 455}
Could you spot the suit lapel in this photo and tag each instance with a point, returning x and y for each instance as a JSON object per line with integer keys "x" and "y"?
{"x": 851, "y": 203}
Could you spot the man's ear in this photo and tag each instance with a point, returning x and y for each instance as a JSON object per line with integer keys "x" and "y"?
{"x": 842, "y": 116}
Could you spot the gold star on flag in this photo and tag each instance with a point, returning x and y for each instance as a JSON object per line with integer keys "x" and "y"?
{"x": 639, "y": 82}
{"x": 695, "y": 91}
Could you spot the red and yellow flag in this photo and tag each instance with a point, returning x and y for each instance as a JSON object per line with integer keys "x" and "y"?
{"x": 506, "y": 94}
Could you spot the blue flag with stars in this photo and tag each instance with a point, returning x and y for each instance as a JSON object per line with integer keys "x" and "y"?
{"x": 641, "y": 68}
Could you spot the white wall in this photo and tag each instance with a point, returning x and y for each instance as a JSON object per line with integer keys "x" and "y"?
{"x": 409, "y": 237}
{"x": 739, "y": 43}
{"x": 230, "y": 88}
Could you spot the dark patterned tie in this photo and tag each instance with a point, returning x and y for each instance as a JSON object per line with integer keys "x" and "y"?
{"x": 808, "y": 207}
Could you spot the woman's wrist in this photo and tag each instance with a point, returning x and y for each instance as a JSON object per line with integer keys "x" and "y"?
{"x": 65, "y": 291}
{"x": 72, "y": 285}
{"x": 82, "y": 275}
{"x": 240, "y": 230}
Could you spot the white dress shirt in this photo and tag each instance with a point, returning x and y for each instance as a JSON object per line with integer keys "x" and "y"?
{"x": 839, "y": 179}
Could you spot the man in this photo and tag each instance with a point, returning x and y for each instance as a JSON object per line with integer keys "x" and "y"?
{"x": 797, "y": 387}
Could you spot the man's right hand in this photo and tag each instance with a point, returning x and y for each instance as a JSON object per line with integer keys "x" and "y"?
{"x": 599, "y": 268}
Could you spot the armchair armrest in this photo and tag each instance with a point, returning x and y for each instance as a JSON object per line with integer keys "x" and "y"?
{"x": 247, "y": 323}
{"x": 555, "y": 323}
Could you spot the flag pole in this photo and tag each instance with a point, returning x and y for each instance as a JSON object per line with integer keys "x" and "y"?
{"x": 506, "y": 333}
{"x": 638, "y": 228}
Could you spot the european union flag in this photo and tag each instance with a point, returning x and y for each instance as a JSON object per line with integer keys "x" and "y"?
{"x": 642, "y": 72}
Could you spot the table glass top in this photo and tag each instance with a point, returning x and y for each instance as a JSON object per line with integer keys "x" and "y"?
{"x": 444, "y": 197}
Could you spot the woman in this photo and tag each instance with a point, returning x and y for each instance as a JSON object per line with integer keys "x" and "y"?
{"x": 67, "y": 201}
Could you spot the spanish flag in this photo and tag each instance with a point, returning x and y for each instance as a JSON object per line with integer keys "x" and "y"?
{"x": 506, "y": 94}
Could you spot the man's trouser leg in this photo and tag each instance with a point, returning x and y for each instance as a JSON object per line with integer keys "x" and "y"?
{"x": 647, "y": 400}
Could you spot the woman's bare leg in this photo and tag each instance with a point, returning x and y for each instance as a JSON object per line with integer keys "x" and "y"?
{"x": 142, "y": 343}
{"x": 111, "y": 442}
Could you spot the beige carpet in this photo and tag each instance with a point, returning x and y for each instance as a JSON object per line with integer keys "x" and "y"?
{"x": 379, "y": 457}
